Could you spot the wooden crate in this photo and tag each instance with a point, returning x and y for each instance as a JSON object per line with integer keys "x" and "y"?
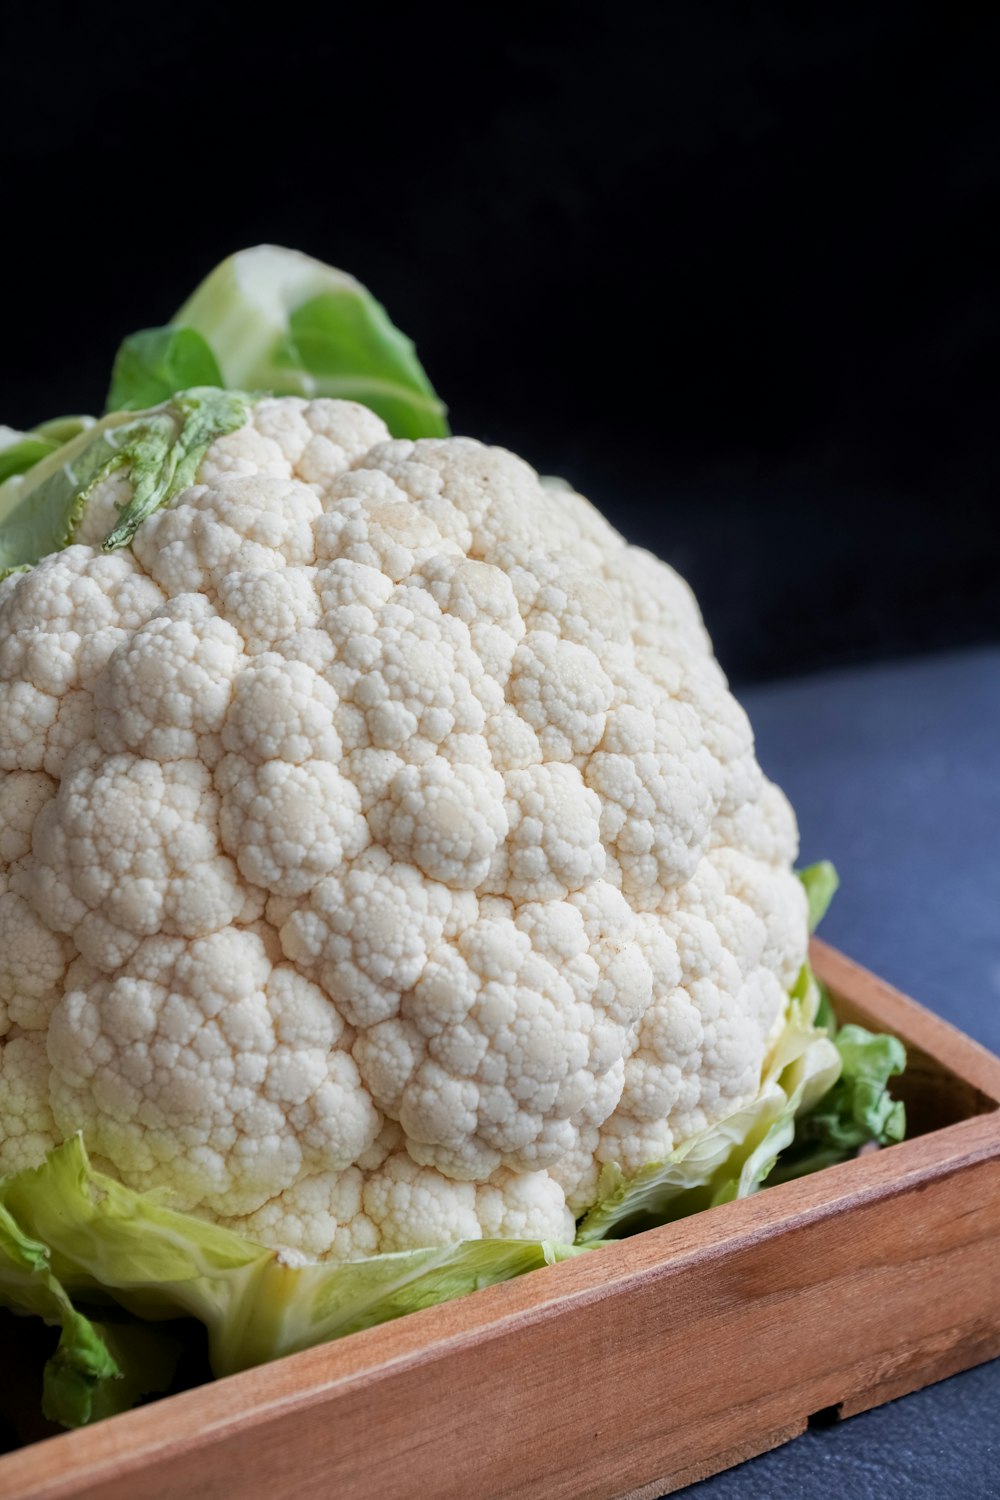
{"x": 637, "y": 1369}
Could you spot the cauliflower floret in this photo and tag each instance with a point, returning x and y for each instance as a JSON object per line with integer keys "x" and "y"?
{"x": 23, "y": 794}
{"x": 447, "y": 820}
{"x": 282, "y": 710}
{"x": 269, "y": 605}
{"x": 165, "y": 691}
{"x": 554, "y": 840}
{"x": 128, "y": 848}
{"x": 381, "y": 849}
{"x": 413, "y": 1205}
{"x": 524, "y": 1206}
{"x": 59, "y": 626}
{"x": 698, "y": 1055}
{"x": 321, "y": 1217}
{"x": 28, "y": 1126}
{"x": 33, "y": 964}
{"x": 366, "y": 933}
{"x": 247, "y": 523}
{"x": 560, "y": 688}
{"x": 289, "y": 825}
{"x": 204, "y": 1067}
{"x": 499, "y": 1057}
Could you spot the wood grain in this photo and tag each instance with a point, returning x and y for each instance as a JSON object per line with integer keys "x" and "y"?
{"x": 630, "y": 1371}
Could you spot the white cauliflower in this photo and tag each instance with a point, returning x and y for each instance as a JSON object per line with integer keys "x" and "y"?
{"x": 381, "y": 850}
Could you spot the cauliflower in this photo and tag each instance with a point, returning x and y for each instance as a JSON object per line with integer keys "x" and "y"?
{"x": 382, "y": 853}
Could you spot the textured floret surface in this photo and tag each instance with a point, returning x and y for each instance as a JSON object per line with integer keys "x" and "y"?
{"x": 381, "y": 848}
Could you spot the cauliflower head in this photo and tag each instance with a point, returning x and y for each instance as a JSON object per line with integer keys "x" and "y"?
{"x": 381, "y": 849}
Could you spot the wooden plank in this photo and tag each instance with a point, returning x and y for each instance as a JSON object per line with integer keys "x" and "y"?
{"x": 629, "y": 1371}
{"x": 681, "y": 1478}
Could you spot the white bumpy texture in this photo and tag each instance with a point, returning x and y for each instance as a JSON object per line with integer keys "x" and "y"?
{"x": 381, "y": 850}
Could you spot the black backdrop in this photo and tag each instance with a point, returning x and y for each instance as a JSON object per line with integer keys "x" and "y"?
{"x": 730, "y": 268}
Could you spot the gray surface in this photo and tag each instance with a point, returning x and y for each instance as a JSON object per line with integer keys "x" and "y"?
{"x": 895, "y": 773}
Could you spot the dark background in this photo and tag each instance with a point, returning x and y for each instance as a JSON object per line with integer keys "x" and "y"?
{"x": 730, "y": 268}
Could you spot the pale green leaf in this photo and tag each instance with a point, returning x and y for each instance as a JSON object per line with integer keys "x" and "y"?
{"x": 155, "y": 363}
{"x": 100, "y": 1237}
{"x": 821, "y": 882}
{"x": 276, "y": 320}
{"x": 41, "y": 509}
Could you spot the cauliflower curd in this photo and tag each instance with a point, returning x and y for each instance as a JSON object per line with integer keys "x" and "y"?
{"x": 381, "y": 850}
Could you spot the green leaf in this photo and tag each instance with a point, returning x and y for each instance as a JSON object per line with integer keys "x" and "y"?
{"x": 347, "y": 347}
{"x": 156, "y": 363}
{"x": 822, "y": 883}
{"x": 98, "y": 1367}
{"x": 858, "y": 1110}
{"x": 41, "y": 509}
{"x": 824, "y": 1011}
{"x": 61, "y": 430}
{"x": 20, "y": 451}
{"x": 163, "y": 453}
{"x": 814, "y": 999}
{"x": 82, "y": 1363}
{"x": 99, "y": 1238}
{"x": 26, "y": 1278}
{"x": 273, "y": 319}
{"x": 131, "y": 1359}
{"x": 81, "y": 1375}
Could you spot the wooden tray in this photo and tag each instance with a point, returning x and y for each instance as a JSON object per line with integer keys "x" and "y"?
{"x": 632, "y": 1371}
